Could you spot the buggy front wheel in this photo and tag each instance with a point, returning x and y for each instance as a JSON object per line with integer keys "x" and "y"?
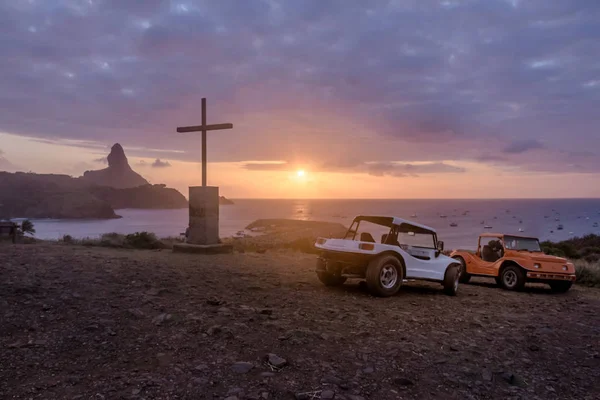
{"x": 451, "y": 279}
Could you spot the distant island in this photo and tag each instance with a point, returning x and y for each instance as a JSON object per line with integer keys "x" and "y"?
{"x": 223, "y": 201}
{"x": 94, "y": 195}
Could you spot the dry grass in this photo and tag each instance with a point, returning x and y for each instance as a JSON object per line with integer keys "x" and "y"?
{"x": 587, "y": 273}
{"x": 138, "y": 240}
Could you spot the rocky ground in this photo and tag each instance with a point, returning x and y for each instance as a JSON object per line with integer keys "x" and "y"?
{"x": 96, "y": 323}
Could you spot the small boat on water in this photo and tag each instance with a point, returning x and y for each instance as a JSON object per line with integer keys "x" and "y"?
{"x": 595, "y": 225}
{"x": 487, "y": 227}
{"x": 557, "y": 219}
{"x": 559, "y": 227}
{"x": 521, "y": 230}
{"x": 520, "y": 221}
{"x": 443, "y": 216}
{"x": 414, "y": 216}
{"x": 453, "y": 224}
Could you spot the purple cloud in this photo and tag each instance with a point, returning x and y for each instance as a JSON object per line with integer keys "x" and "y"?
{"x": 522, "y": 146}
{"x": 160, "y": 164}
{"x": 297, "y": 78}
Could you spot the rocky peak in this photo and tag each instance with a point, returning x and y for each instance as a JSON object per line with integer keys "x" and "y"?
{"x": 118, "y": 174}
{"x": 117, "y": 158}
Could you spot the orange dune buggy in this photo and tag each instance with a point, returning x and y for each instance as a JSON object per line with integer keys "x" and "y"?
{"x": 513, "y": 261}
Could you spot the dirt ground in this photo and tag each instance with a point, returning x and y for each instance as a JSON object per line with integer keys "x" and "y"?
{"x": 94, "y": 323}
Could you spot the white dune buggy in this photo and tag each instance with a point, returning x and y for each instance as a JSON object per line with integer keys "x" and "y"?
{"x": 406, "y": 250}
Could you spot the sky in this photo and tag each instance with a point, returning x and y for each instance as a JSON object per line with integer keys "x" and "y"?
{"x": 377, "y": 99}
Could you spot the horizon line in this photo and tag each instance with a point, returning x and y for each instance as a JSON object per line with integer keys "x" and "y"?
{"x": 412, "y": 198}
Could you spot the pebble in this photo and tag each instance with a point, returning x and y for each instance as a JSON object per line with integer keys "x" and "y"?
{"x": 214, "y": 302}
{"x": 162, "y": 319}
{"x": 355, "y": 397}
{"x": 213, "y": 330}
{"x": 514, "y": 380}
{"x": 403, "y": 382}
{"x": 276, "y": 361}
{"x": 487, "y": 375}
{"x": 534, "y": 347}
{"x": 136, "y": 312}
{"x": 327, "y": 394}
{"x": 242, "y": 367}
{"x": 266, "y": 311}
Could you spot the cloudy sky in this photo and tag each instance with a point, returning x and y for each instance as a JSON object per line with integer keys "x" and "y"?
{"x": 390, "y": 98}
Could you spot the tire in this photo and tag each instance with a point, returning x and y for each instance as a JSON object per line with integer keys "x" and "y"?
{"x": 512, "y": 278}
{"x": 384, "y": 276}
{"x": 327, "y": 278}
{"x": 560, "y": 286}
{"x": 451, "y": 279}
{"x": 464, "y": 276}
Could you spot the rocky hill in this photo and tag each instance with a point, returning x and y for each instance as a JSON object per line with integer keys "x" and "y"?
{"x": 146, "y": 196}
{"x": 94, "y": 195}
{"x": 118, "y": 174}
{"x": 49, "y": 196}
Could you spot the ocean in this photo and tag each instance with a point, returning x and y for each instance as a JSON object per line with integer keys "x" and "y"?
{"x": 535, "y": 217}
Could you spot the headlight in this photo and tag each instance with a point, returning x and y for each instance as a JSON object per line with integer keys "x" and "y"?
{"x": 537, "y": 266}
{"x": 565, "y": 268}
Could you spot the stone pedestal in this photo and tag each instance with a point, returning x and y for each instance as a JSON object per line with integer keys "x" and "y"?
{"x": 204, "y": 215}
{"x": 203, "y": 236}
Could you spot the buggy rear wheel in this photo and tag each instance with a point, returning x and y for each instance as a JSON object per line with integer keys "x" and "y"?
{"x": 384, "y": 276}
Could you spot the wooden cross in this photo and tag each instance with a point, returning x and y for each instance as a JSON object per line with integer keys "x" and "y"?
{"x": 204, "y": 128}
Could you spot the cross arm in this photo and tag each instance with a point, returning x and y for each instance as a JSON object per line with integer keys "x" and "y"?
{"x": 199, "y": 128}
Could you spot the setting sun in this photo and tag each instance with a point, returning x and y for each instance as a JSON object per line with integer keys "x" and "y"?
{"x": 300, "y": 173}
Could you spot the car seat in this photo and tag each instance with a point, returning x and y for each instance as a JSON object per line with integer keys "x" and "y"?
{"x": 488, "y": 254}
{"x": 391, "y": 240}
{"x": 366, "y": 237}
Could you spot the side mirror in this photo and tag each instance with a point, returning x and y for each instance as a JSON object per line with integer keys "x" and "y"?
{"x": 440, "y": 246}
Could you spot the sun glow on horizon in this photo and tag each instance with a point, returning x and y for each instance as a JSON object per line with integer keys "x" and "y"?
{"x": 300, "y": 173}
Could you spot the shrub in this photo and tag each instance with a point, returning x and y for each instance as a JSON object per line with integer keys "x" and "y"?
{"x": 112, "y": 239}
{"x": 143, "y": 240}
{"x": 588, "y": 273}
{"x": 27, "y": 227}
{"x": 67, "y": 238}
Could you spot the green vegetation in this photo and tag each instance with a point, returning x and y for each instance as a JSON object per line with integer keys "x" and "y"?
{"x": 137, "y": 240}
{"x": 578, "y": 248}
{"x": 27, "y": 227}
{"x": 585, "y": 254}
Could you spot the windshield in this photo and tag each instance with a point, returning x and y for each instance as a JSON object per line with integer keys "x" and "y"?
{"x": 519, "y": 243}
{"x": 417, "y": 239}
{"x": 366, "y": 231}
